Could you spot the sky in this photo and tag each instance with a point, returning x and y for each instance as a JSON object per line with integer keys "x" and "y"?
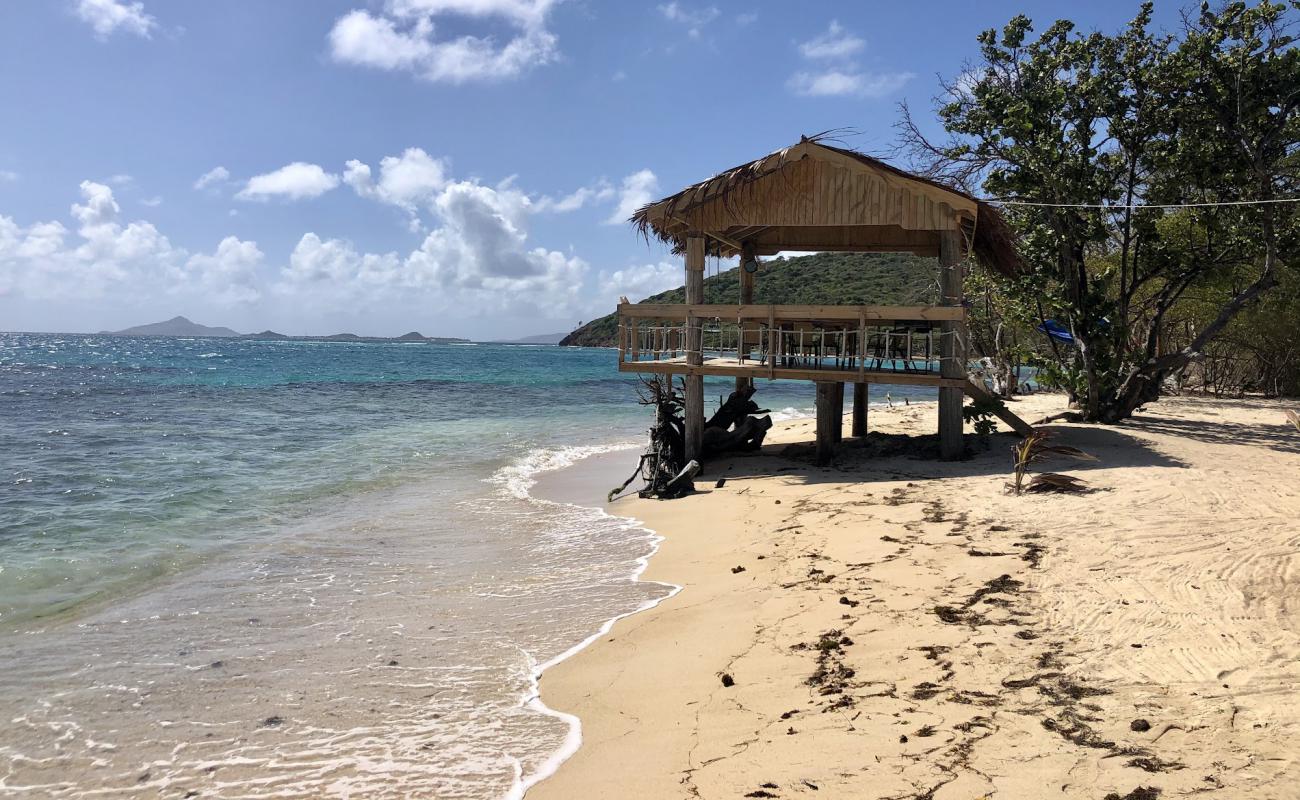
{"x": 456, "y": 167}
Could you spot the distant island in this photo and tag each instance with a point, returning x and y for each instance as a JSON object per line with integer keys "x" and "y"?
{"x": 541, "y": 338}
{"x": 176, "y": 326}
{"x": 181, "y": 326}
{"x": 898, "y": 279}
{"x": 413, "y": 336}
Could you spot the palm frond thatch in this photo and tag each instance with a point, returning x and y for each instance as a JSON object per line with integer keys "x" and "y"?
{"x": 1056, "y": 482}
{"x": 993, "y": 242}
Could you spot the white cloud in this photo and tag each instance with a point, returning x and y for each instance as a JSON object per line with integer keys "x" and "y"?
{"x": 152, "y": 202}
{"x": 748, "y": 18}
{"x": 639, "y": 282}
{"x": 403, "y": 39}
{"x": 213, "y": 177}
{"x": 100, "y": 207}
{"x": 107, "y": 17}
{"x": 835, "y": 43}
{"x": 598, "y": 192}
{"x": 408, "y": 181}
{"x": 415, "y": 182}
{"x": 694, "y": 19}
{"x": 333, "y": 264}
{"x": 638, "y": 189}
{"x": 477, "y": 259}
{"x": 476, "y": 256}
{"x": 296, "y": 181}
{"x": 228, "y": 276}
{"x": 121, "y": 179}
{"x": 524, "y": 13}
{"x": 8, "y": 176}
{"x": 836, "y": 73}
{"x": 836, "y": 83}
{"x": 482, "y": 241}
{"x": 133, "y": 260}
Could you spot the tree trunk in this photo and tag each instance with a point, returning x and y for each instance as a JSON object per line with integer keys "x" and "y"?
{"x": 1142, "y": 385}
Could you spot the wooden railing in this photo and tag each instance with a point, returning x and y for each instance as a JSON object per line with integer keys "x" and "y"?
{"x": 803, "y": 338}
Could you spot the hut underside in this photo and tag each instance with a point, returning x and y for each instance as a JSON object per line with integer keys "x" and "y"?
{"x": 814, "y": 197}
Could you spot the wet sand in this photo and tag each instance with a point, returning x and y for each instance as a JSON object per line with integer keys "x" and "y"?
{"x": 898, "y": 627}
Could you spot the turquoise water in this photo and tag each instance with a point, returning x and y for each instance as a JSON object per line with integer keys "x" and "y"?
{"x": 290, "y": 569}
{"x": 125, "y": 459}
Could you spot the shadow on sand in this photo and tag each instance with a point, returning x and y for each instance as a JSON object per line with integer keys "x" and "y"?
{"x": 895, "y": 456}
{"x": 1283, "y": 438}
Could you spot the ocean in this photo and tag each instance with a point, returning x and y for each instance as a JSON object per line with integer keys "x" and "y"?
{"x": 299, "y": 569}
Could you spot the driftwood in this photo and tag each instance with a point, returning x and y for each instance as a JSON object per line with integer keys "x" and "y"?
{"x": 663, "y": 467}
{"x": 1068, "y": 416}
{"x": 732, "y": 428}
{"x": 739, "y": 404}
{"x": 684, "y": 483}
{"x": 745, "y": 437}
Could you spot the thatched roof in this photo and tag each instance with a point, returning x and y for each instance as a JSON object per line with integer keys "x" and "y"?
{"x": 845, "y": 200}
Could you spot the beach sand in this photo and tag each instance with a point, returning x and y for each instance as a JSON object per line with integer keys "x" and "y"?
{"x": 899, "y": 627}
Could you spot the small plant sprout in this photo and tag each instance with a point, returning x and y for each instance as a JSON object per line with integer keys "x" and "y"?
{"x": 1037, "y": 447}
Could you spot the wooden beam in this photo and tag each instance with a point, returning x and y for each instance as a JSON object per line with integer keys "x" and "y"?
{"x": 952, "y": 351}
{"x": 788, "y": 313}
{"x": 837, "y": 424}
{"x": 746, "y": 298}
{"x": 827, "y": 414}
{"x": 860, "y": 397}
{"x": 844, "y": 239}
{"x": 924, "y": 251}
{"x": 1001, "y": 411}
{"x": 693, "y": 409}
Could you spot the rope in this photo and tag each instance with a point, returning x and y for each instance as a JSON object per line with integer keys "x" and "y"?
{"x": 1119, "y": 206}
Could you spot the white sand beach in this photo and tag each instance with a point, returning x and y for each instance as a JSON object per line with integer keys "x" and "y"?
{"x": 898, "y": 627}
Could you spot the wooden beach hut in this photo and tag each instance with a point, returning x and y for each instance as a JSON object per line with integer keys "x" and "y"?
{"x": 816, "y": 197}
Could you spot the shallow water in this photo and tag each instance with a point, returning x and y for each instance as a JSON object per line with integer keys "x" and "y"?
{"x": 282, "y": 569}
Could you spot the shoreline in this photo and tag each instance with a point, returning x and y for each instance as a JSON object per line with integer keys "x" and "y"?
{"x": 546, "y": 482}
{"x": 983, "y": 666}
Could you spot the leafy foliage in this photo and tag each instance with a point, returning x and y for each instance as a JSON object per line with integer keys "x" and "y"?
{"x": 1090, "y": 125}
{"x": 980, "y": 414}
{"x": 823, "y": 278}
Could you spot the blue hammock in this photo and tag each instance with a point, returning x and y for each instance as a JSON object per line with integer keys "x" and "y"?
{"x": 1055, "y": 330}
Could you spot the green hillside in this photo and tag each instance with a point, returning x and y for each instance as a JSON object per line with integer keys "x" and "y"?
{"x": 821, "y": 279}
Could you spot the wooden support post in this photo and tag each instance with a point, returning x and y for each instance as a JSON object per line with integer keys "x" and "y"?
{"x": 623, "y": 337}
{"x": 746, "y": 298}
{"x": 860, "y": 410}
{"x": 952, "y": 349}
{"x": 837, "y": 427}
{"x": 694, "y": 408}
{"x": 773, "y": 342}
{"x": 826, "y": 418}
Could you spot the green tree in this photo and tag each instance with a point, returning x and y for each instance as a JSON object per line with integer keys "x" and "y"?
{"x": 1088, "y": 126}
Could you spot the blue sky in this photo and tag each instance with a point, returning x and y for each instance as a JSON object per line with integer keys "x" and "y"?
{"x": 457, "y": 167}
